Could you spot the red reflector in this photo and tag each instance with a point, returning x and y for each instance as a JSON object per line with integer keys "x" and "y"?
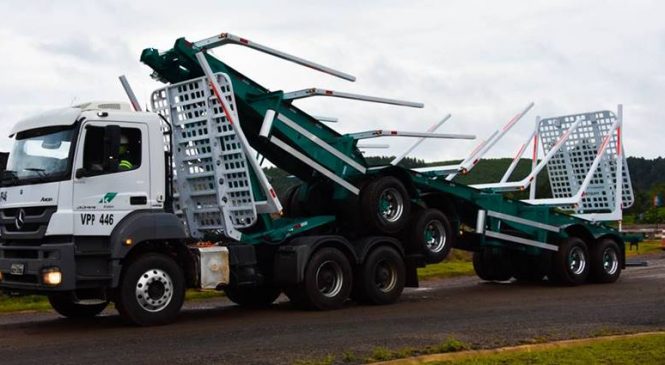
{"x": 297, "y": 226}
{"x": 475, "y": 161}
{"x": 244, "y": 41}
{"x": 328, "y": 92}
{"x": 272, "y": 192}
{"x": 393, "y": 132}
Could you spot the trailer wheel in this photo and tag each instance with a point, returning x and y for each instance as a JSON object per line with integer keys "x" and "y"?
{"x": 492, "y": 266}
{"x": 432, "y": 235}
{"x": 252, "y": 297}
{"x": 605, "y": 261}
{"x": 64, "y": 304}
{"x": 570, "y": 264}
{"x": 385, "y": 205}
{"x": 151, "y": 291}
{"x": 381, "y": 278}
{"x": 327, "y": 282}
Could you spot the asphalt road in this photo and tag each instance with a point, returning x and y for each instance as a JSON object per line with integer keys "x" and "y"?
{"x": 482, "y": 314}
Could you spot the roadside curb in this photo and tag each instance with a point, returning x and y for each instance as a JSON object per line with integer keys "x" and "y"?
{"x": 539, "y": 346}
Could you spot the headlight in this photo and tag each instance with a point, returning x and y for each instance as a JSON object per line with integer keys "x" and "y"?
{"x": 52, "y": 276}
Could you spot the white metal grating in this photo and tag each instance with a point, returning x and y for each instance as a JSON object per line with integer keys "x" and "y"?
{"x": 570, "y": 165}
{"x": 211, "y": 171}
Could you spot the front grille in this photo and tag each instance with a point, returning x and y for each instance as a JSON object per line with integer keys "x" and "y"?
{"x": 31, "y": 225}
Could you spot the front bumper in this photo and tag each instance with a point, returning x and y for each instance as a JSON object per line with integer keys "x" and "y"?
{"x": 34, "y": 259}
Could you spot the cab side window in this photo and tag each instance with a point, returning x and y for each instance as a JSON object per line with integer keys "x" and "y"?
{"x": 94, "y": 156}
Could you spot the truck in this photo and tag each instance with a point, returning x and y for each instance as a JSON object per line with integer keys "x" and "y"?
{"x": 103, "y": 202}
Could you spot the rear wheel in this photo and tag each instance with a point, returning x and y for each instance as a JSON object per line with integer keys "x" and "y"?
{"x": 64, "y": 304}
{"x": 381, "y": 278}
{"x": 327, "y": 282}
{"x": 152, "y": 290}
{"x": 570, "y": 264}
{"x": 253, "y": 297}
{"x": 432, "y": 235}
{"x": 385, "y": 205}
{"x": 605, "y": 261}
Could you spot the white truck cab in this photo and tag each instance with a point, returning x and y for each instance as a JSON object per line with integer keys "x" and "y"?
{"x": 82, "y": 185}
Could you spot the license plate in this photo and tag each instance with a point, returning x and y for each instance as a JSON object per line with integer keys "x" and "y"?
{"x": 17, "y": 269}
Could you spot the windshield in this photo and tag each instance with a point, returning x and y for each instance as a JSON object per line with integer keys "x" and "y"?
{"x": 39, "y": 155}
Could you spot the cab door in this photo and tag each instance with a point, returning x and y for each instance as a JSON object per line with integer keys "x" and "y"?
{"x": 105, "y": 189}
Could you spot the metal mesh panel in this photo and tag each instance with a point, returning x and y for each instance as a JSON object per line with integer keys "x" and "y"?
{"x": 570, "y": 165}
{"x": 211, "y": 173}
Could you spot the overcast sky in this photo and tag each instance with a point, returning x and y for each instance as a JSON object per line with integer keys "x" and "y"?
{"x": 481, "y": 61}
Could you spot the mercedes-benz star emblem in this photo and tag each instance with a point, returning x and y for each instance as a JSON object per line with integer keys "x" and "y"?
{"x": 20, "y": 218}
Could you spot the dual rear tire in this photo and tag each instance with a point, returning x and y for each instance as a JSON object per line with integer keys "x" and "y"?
{"x": 575, "y": 263}
{"x": 329, "y": 279}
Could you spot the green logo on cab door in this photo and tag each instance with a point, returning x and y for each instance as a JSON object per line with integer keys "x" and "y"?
{"x": 108, "y": 197}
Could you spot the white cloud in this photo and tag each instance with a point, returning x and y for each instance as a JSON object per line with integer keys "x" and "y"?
{"x": 482, "y": 61}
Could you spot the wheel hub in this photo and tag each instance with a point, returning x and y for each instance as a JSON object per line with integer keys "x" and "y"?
{"x": 435, "y": 236}
{"x": 329, "y": 279}
{"x": 610, "y": 261}
{"x": 385, "y": 276}
{"x": 391, "y": 205}
{"x": 154, "y": 290}
{"x": 577, "y": 261}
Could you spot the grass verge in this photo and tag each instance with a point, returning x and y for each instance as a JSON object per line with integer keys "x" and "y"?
{"x": 643, "y": 349}
{"x": 385, "y": 354}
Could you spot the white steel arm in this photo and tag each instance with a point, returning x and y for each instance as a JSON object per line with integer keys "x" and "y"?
{"x": 478, "y": 153}
{"x": 420, "y": 140}
{"x": 306, "y": 93}
{"x": 130, "y": 93}
{"x": 522, "y": 184}
{"x": 226, "y": 38}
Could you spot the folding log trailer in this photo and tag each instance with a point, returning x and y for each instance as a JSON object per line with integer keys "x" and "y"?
{"x": 196, "y": 210}
{"x": 527, "y": 240}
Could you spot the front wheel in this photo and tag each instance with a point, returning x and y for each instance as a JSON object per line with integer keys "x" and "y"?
{"x": 64, "y": 304}
{"x": 605, "y": 261}
{"x": 381, "y": 278}
{"x": 152, "y": 290}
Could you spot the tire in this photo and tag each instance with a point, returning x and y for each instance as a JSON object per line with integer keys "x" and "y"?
{"x": 431, "y": 235}
{"x": 151, "y": 291}
{"x": 64, "y": 304}
{"x": 252, "y": 297}
{"x": 385, "y": 206}
{"x": 570, "y": 264}
{"x": 492, "y": 265}
{"x": 528, "y": 268}
{"x": 327, "y": 283}
{"x": 381, "y": 278}
{"x": 605, "y": 261}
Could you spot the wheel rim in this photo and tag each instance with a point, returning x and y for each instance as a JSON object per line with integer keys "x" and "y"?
{"x": 435, "y": 236}
{"x": 154, "y": 290}
{"x": 391, "y": 205}
{"x": 385, "y": 276}
{"x": 576, "y": 260}
{"x": 610, "y": 261}
{"x": 329, "y": 279}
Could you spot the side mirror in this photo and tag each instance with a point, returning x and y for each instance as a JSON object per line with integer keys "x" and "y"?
{"x": 111, "y": 148}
